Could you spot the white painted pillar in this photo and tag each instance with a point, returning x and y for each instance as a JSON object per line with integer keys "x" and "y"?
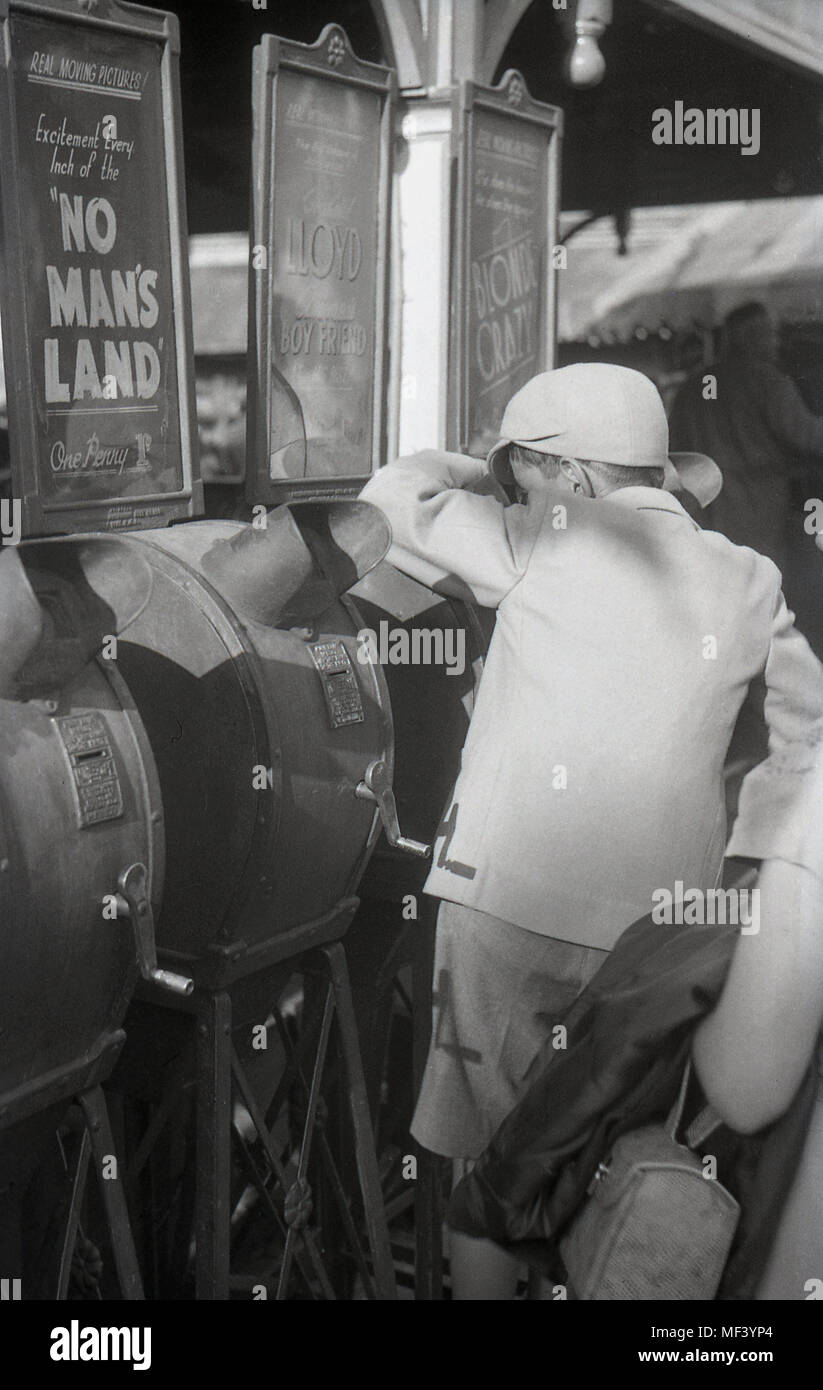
{"x": 437, "y": 44}
{"x": 442, "y": 44}
{"x": 421, "y": 274}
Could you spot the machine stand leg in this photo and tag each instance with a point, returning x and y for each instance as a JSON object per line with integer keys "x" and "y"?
{"x": 428, "y": 1194}
{"x": 96, "y": 1115}
{"x": 213, "y": 1181}
{"x": 361, "y": 1121}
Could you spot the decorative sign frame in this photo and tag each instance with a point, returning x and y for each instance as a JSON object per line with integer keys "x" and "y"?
{"x": 321, "y": 161}
{"x": 504, "y": 290}
{"x": 94, "y": 278}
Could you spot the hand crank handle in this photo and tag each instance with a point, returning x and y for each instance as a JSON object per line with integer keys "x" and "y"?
{"x": 132, "y": 901}
{"x": 376, "y": 786}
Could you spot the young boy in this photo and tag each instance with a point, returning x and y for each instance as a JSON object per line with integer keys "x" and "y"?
{"x": 592, "y": 775}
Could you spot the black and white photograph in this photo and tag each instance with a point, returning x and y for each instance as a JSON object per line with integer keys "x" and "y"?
{"x": 411, "y": 672}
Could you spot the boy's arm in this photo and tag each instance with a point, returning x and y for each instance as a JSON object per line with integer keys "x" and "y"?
{"x": 794, "y": 681}
{"x": 752, "y": 1050}
{"x": 446, "y": 537}
{"x": 768, "y": 820}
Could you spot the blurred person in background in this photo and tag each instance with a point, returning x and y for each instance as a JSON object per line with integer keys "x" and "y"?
{"x": 753, "y": 422}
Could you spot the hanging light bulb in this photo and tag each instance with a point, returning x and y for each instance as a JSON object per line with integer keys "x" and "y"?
{"x": 585, "y": 24}
{"x": 585, "y": 64}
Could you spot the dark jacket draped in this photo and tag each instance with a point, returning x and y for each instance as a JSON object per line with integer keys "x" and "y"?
{"x": 627, "y": 1041}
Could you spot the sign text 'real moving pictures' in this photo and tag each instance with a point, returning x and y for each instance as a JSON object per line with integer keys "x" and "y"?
{"x": 96, "y": 322}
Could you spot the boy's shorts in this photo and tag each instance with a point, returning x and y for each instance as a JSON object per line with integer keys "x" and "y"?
{"x": 498, "y": 991}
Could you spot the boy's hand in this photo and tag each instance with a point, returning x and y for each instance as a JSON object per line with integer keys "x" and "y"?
{"x": 488, "y": 486}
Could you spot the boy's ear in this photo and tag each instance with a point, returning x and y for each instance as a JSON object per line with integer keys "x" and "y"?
{"x": 578, "y": 476}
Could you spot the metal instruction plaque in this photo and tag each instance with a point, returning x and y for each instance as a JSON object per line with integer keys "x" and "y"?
{"x": 95, "y": 294}
{"x": 504, "y": 303}
{"x": 96, "y": 784}
{"x": 318, "y": 268}
{"x": 342, "y": 693}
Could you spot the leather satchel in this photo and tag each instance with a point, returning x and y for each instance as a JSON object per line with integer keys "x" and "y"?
{"x": 653, "y": 1226}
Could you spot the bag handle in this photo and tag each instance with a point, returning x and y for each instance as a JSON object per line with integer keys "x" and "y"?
{"x": 704, "y": 1123}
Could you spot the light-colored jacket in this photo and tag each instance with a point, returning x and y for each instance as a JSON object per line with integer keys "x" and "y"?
{"x": 625, "y": 642}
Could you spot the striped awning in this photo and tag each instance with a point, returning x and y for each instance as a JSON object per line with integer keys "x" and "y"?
{"x": 688, "y": 266}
